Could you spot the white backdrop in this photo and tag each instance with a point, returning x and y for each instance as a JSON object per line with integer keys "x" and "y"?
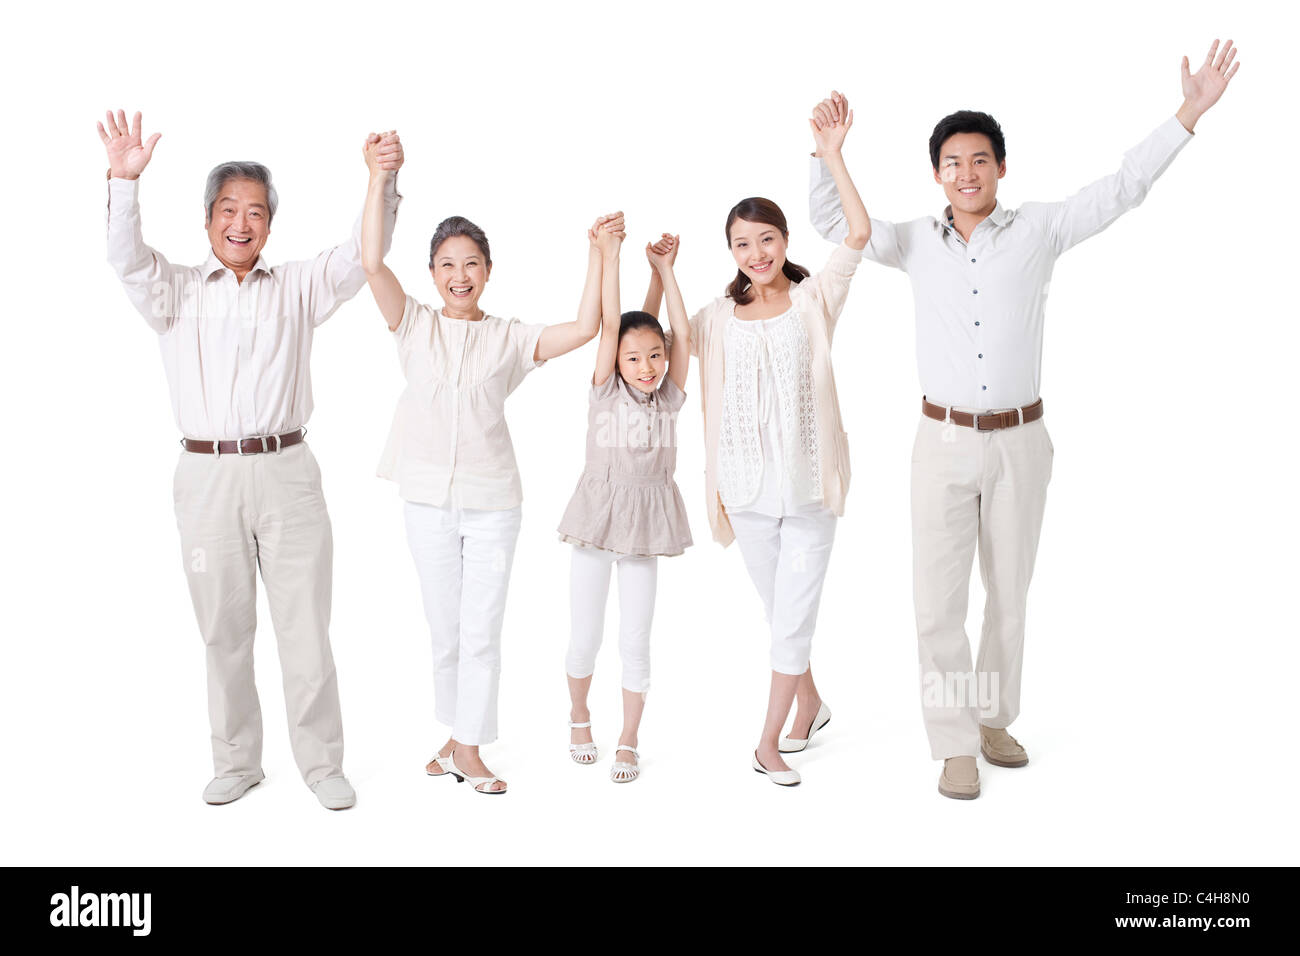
{"x": 1161, "y": 653}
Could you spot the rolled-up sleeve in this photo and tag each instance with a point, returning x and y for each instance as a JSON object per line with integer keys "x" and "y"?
{"x": 832, "y": 283}
{"x": 827, "y": 217}
{"x": 336, "y": 275}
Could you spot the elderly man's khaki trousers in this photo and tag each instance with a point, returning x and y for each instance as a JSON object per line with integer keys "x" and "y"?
{"x": 237, "y": 514}
{"x": 974, "y": 488}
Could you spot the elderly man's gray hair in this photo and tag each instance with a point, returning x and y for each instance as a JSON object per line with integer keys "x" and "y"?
{"x": 222, "y": 174}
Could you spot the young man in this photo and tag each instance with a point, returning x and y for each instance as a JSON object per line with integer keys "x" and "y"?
{"x": 236, "y": 339}
{"x": 983, "y": 458}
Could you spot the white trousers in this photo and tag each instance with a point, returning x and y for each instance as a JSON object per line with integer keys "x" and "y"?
{"x": 588, "y": 592}
{"x": 969, "y": 489}
{"x": 463, "y": 558}
{"x": 787, "y": 559}
{"x": 237, "y": 514}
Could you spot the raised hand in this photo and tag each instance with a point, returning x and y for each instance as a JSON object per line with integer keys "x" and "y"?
{"x": 1202, "y": 89}
{"x": 663, "y": 254}
{"x": 614, "y": 219}
{"x": 610, "y": 235}
{"x": 830, "y": 123}
{"x": 127, "y": 156}
{"x": 383, "y": 152}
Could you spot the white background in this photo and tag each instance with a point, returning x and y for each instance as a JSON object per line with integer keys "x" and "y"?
{"x": 1160, "y": 671}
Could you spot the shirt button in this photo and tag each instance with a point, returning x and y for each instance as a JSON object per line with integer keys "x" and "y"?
{"x": 974, "y": 291}
{"x": 972, "y": 260}
{"x": 981, "y": 355}
{"x": 984, "y": 388}
{"x": 977, "y": 321}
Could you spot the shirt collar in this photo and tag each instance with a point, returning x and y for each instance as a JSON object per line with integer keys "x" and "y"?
{"x": 213, "y": 265}
{"x": 1000, "y": 215}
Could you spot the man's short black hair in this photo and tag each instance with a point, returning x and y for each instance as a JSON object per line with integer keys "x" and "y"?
{"x": 967, "y": 121}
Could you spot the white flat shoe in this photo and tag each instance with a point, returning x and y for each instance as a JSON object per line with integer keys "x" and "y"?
{"x": 793, "y": 745}
{"x": 478, "y": 783}
{"x": 221, "y": 790}
{"x": 582, "y": 753}
{"x": 335, "y": 793}
{"x": 622, "y": 771}
{"x": 782, "y": 778}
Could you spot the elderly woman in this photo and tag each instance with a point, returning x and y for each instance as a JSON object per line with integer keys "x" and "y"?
{"x": 776, "y": 456}
{"x": 450, "y": 453}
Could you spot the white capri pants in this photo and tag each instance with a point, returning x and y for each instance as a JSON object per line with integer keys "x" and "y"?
{"x": 588, "y": 591}
{"x": 787, "y": 559}
{"x": 463, "y": 558}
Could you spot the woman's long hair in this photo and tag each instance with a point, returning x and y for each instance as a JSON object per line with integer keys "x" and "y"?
{"x": 757, "y": 209}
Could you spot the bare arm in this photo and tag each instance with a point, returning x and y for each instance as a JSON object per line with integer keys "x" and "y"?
{"x": 564, "y": 337}
{"x": 607, "y": 243}
{"x": 829, "y": 127}
{"x": 654, "y": 293}
{"x": 679, "y": 359}
{"x": 388, "y": 292}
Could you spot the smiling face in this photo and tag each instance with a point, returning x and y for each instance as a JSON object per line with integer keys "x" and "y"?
{"x": 642, "y": 358}
{"x": 759, "y": 250}
{"x": 969, "y": 173}
{"x": 239, "y": 224}
{"x": 460, "y": 271}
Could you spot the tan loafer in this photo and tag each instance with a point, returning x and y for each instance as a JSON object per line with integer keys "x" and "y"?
{"x": 960, "y": 778}
{"x": 1001, "y": 749}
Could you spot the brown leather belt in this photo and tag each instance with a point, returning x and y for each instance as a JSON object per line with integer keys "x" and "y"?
{"x": 245, "y": 446}
{"x": 987, "y": 422}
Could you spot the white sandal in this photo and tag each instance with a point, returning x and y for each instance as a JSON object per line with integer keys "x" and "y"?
{"x": 622, "y": 771}
{"x": 582, "y": 753}
{"x": 478, "y": 783}
{"x": 443, "y": 766}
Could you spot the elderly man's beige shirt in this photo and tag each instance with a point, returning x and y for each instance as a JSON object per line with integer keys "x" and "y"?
{"x": 237, "y": 354}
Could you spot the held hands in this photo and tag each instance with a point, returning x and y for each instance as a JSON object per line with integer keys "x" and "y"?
{"x": 830, "y": 123}
{"x": 383, "y": 152}
{"x": 1202, "y": 89}
{"x": 607, "y": 234}
{"x": 663, "y": 254}
{"x": 127, "y": 157}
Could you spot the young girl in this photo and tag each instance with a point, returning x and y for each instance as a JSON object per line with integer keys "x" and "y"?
{"x": 450, "y": 452}
{"x": 777, "y": 457}
{"x": 626, "y": 509}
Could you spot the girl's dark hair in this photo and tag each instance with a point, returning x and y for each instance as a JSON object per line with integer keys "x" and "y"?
{"x": 967, "y": 121}
{"x": 757, "y": 209}
{"x": 640, "y": 320}
{"x": 459, "y": 226}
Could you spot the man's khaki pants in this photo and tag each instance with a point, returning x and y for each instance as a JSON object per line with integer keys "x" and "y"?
{"x": 236, "y": 514}
{"x": 970, "y": 488}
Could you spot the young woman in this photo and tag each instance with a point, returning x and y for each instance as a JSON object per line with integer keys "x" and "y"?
{"x": 450, "y": 453}
{"x": 777, "y": 457}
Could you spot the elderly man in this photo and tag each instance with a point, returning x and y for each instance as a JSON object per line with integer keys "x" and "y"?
{"x": 982, "y": 458}
{"x": 236, "y": 338}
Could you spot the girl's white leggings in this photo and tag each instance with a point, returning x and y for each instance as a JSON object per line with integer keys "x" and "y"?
{"x": 588, "y": 590}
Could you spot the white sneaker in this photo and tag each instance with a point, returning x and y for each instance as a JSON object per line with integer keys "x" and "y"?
{"x": 335, "y": 793}
{"x": 229, "y": 789}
